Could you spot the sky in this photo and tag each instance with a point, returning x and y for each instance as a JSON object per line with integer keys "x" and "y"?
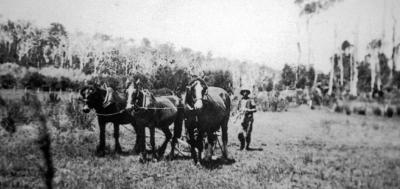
{"x": 261, "y": 31}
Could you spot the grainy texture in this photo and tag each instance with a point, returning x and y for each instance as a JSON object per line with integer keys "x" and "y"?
{"x": 300, "y": 148}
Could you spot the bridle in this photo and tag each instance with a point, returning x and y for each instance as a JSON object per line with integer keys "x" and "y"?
{"x": 85, "y": 100}
{"x": 204, "y": 93}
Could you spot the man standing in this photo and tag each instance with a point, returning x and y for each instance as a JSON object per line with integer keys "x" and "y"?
{"x": 246, "y": 108}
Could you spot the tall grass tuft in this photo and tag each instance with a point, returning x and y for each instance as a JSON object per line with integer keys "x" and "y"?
{"x": 377, "y": 111}
{"x": 77, "y": 118}
{"x": 53, "y": 98}
{"x": 389, "y": 111}
{"x": 44, "y": 142}
{"x": 347, "y": 109}
{"x": 29, "y": 109}
{"x": 54, "y": 109}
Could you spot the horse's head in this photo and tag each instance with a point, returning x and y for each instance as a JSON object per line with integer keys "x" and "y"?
{"x": 132, "y": 92}
{"x": 92, "y": 97}
{"x": 195, "y": 92}
{"x": 136, "y": 96}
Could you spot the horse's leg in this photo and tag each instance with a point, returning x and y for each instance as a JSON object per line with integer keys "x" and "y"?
{"x": 168, "y": 136}
{"x": 177, "y": 135}
{"x": 152, "y": 140}
{"x": 116, "y": 137}
{"x": 140, "y": 145}
{"x": 139, "y": 133}
{"x": 248, "y": 133}
{"x": 192, "y": 142}
{"x": 199, "y": 144}
{"x": 210, "y": 146}
{"x": 100, "y": 149}
{"x": 224, "y": 129}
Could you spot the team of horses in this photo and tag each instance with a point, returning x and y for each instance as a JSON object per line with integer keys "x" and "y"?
{"x": 203, "y": 109}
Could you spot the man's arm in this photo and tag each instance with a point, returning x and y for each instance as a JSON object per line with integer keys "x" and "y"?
{"x": 251, "y": 107}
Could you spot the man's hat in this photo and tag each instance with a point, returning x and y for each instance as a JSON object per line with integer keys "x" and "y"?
{"x": 243, "y": 91}
{"x": 346, "y": 44}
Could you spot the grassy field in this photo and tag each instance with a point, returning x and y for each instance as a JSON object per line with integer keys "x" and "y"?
{"x": 301, "y": 148}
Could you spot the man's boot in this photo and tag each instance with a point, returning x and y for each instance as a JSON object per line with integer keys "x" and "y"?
{"x": 241, "y": 140}
{"x": 248, "y": 140}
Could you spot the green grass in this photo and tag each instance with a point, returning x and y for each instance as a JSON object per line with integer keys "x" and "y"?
{"x": 300, "y": 148}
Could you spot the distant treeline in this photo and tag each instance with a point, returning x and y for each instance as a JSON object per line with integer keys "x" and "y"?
{"x": 30, "y": 46}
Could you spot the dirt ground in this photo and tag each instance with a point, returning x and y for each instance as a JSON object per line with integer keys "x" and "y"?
{"x": 300, "y": 148}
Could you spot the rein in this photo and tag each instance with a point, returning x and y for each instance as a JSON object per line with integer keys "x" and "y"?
{"x": 111, "y": 113}
{"x": 156, "y": 108}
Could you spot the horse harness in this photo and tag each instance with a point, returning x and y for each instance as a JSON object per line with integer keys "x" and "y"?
{"x": 144, "y": 106}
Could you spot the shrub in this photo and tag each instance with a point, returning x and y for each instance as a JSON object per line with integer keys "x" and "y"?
{"x": 64, "y": 83}
{"x": 338, "y": 109}
{"x": 22, "y": 111}
{"x": 8, "y": 124}
{"x": 7, "y": 81}
{"x": 12, "y": 69}
{"x": 377, "y": 111}
{"x": 29, "y": 99}
{"x": 53, "y": 98}
{"x": 219, "y": 78}
{"x": 33, "y": 80}
{"x": 162, "y": 92}
{"x": 398, "y": 110}
{"x": 113, "y": 82}
{"x": 347, "y": 110}
{"x": 389, "y": 111}
{"x": 77, "y": 118}
{"x": 2, "y": 101}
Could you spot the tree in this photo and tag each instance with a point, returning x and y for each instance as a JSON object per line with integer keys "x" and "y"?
{"x": 310, "y": 76}
{"x": 270, "y": 85}
{"x": 309, "y": 8}
{"x": 364, "y": 77}
{"x": 288, "y": 75}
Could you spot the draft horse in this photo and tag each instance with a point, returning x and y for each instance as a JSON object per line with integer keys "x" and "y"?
{"x": 156, "y": 112}
{"x": 207, "y": 110}
{"x": 114, "y": 112}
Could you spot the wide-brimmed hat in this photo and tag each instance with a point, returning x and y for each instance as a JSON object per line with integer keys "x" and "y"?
{"x": 346, "y": 44}
{"x": 243, "y": 91}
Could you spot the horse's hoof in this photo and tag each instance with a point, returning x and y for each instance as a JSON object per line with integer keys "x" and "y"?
{"x": 170, "y": 157}
{"x": 136, "y": 150}
{"x": 142, "y": 160}
{"x": 118, "y": 150}
{"x": 160, "y": 155}
{"x": 198, "y": 164}
{"x": 207, "y": 159}
{"x": 100, "y": 153}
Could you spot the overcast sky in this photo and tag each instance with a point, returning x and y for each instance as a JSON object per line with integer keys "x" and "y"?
{"x": 257, "y": 30}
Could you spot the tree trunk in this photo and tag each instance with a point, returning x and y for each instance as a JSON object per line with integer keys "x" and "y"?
{"x": 331, "y": 75}
{"x": 308, "y": 41}
{"x": 354, "y": 65}
{"x": 299, "y": 51}
{"x": 393, "y": 48}
{"x": 332, "y": 72}
{"x": 315, "y": 79}
{"x": 341, "y": 68}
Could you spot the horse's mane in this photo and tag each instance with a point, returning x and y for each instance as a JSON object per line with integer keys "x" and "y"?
{"x": 200, "y": 80}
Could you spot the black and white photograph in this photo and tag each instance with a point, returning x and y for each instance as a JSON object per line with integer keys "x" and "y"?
{"x": 200, "y": 94}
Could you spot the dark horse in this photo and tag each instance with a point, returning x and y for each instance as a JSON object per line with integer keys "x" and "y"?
{"x": 206, "y": 110}
{"x": 156, "y": 112}
{"x": 108, "y": 112}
